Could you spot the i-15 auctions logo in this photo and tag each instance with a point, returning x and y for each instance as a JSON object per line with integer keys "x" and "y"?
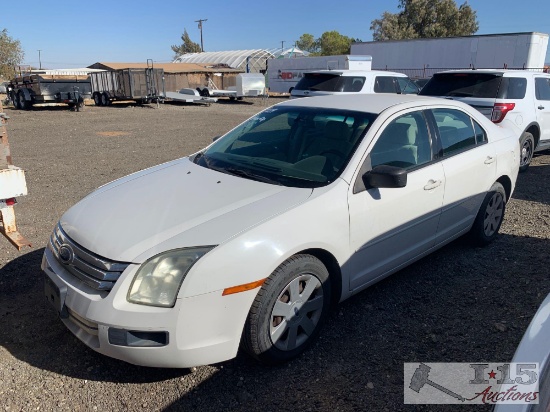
{"x": 472, "y": 383}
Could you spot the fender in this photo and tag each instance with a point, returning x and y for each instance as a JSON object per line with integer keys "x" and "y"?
{"x": 533, "y": 127}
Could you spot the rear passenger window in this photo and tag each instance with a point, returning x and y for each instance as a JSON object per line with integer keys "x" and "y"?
{"x": 405, "y": 142}
{"x": 481, "y": 136}
{"x": 384, "y": 84}
{"x": 513, "y": 88}
{"x": 456, "y": 131}
{"x": 542, "y": 88}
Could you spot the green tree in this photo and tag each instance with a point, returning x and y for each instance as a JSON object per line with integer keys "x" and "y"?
{"x": 425, "y": 18}
{"x": 308, "y": 43}
{"x": 333, "y": 43}
{"x": 11, "y": 55}
{"x": 330, "y": 43}
{"x": 187, "y": 46}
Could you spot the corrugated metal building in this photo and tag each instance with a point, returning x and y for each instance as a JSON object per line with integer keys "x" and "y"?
{"x": 249, "y": 61}
{"x": 183, "y": 75}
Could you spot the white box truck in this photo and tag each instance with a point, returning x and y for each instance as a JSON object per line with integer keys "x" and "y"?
{"x": 492, "y": 51}
{"x": 283, "y": 74}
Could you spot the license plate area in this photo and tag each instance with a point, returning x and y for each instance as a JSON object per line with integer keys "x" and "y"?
{"x": 55, "y": 294}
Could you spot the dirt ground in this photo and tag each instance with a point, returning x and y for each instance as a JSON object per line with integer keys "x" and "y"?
{"x": 461, "y": 304}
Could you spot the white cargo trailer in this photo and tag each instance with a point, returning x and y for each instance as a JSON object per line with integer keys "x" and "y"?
{"x": 283, "y": 74}
{"x": 513, "y": 50}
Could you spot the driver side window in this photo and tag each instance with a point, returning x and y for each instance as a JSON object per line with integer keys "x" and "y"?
{"x": 405, "y": 143}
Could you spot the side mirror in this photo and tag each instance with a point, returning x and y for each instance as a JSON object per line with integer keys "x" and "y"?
{"x": 385, "y": 176}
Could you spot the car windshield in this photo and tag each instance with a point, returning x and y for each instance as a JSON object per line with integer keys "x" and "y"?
{"x": 481, "y": 85}
{"x": 326, "y": 82}
{"x": 289, "y": 146}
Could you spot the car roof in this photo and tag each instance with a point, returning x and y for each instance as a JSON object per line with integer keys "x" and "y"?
{"x": 495, "y": 71}
{"x": 357, "y": 72}
{"x": 371, "y": 103}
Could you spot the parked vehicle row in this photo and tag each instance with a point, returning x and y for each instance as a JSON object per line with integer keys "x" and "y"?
{"x": 517, "y": 100}
{"x": 301, "y": 206}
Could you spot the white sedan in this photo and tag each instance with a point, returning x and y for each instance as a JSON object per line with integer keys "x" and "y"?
{"x": 248, "y": 242}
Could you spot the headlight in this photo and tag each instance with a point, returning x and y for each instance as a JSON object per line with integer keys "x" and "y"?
{"x": 158, "y": 280}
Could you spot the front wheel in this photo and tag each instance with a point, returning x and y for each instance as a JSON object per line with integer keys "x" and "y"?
{"x": 490, "y": 216}
{"x": 527, "y": 144}
{"x": 97, "y": 99}
{"x": 289, "y": 310}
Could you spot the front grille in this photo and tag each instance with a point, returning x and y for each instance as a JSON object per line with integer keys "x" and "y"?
{"x": 95, "y": 271}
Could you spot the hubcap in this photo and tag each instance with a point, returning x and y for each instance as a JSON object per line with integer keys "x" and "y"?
{"x": 296, "y": 312}
{"x": 493, "y": 214}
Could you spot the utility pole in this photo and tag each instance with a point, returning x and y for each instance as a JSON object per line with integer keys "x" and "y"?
{"x": 39, "y": 60}
{"x": 282, "y": 45}
{"x": 200, "y": 28}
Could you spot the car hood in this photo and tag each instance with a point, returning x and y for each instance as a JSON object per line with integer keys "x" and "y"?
{"x": 170, "y": 203}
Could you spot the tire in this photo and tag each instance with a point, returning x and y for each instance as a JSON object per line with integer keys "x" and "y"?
{"x": 280, "y": 326}
{"x": 23, "y": 103}
{"x": 97, "y": 99}
{"x": 15, "y": 100}
{"x": 105, "y": 101}
{"x": 527, "y": 146}
{"x": 490, "y": 216}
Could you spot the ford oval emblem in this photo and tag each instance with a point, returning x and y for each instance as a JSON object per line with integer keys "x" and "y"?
{"x": 66, "y": 254}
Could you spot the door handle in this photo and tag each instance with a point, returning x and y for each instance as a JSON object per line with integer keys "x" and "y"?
{"x": 540, "y": 107}
{"x": 489, "y": 160}
{"x": 432, "y": 184}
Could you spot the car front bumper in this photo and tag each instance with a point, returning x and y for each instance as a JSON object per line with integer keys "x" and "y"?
{"x": 198, "y": 330}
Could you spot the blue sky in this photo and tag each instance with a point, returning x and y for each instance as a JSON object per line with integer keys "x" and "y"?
{"x": 77, "y": 34}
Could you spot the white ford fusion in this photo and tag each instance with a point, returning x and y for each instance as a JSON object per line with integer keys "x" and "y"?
{"x": 303, "y": 205}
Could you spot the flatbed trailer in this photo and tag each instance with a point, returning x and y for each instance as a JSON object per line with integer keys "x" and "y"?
{"x": 26, "y": 90}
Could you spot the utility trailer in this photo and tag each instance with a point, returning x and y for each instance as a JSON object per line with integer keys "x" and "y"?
{"x": 190, "y": 96}
{"x": 248, "y": 85}
{"x": 28, "y": 89}
{"x": 141, "y": 85}
{"x": 12, "y": 185}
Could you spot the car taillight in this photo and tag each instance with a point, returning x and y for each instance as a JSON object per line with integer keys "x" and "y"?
{"x": 10, "y": 202}
{"x": 500, "y": 110}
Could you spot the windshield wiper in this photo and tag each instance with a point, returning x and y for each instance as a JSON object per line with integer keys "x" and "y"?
{"x": 202, "y": 160}
{"x": 249, "y": 175}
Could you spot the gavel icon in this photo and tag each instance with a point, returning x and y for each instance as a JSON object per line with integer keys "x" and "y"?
{"x": 420, "y": 378}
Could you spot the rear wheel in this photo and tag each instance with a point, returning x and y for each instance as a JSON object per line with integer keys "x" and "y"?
{"x": 105, "y": 101}
{"x": 490, "y": 216}
{"x": 24, "y": 104}
{"x": 15, "y": 100}
{"x": 97, "y": 99}
{"x": 527, "y": 144}
{"x": 289, "y": 310}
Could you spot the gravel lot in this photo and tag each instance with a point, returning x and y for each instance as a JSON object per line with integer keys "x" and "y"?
{"x": 461, "y": 304}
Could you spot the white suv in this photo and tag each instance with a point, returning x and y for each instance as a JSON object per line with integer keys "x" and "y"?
{"x": 518, "y": 100}
{"x": 330, "y": 82}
